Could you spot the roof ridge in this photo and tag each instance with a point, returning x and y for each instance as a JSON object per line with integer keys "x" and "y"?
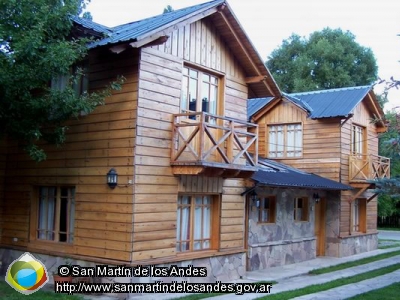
{"x": 165, "y": 14}
{"x": 331, "y": 90}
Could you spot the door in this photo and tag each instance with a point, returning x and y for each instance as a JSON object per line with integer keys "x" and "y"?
{"x": 320, "y": 219}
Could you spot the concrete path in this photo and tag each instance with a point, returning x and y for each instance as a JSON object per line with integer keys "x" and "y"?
{"x": 389, "y": 235}
{"x": 295, "y": 276}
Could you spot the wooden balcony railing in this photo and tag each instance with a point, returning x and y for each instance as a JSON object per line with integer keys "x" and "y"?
{"x": 368, "y": 167}
{"x": 211, "y": 145}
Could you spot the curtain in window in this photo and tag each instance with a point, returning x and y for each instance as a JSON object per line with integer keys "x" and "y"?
{"x": 47, "y": 211}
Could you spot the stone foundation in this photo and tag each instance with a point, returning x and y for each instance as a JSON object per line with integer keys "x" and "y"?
{"x": 358, "y": 244}
{"x": 219, "y": 268}
{"x": 281, "y": 253}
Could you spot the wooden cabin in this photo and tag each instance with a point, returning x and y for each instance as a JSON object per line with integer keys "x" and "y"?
{"x": 177, "y": 136}
{"x": 330, "y": 133}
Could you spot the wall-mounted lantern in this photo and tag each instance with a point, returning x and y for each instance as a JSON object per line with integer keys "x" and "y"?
{"x": 316, "y": 197}
{"x": 112, "y": 178}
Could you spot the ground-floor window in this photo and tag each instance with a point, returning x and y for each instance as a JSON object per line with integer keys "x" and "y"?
{"x": 300, "y": 212}
{"x": 55, "y": 214}
{"x": 196, "y": 222}
{"x": 266, "y": 207}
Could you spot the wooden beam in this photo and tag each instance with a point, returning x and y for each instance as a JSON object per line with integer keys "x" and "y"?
{"x": 117, "y": 49}
{"x": 362, "y": 190}
{"x": 255, "y": 79}
{"x": 243, "y": 48}
{"x": 372, "y": 197}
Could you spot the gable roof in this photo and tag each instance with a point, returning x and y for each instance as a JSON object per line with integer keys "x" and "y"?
{"x": 333, "y": 103}
{"x": 275, "y": 174}
{"x": 255, "y": 104}
{"x": 138, "y": 30}
{"x": 156, "y": 30}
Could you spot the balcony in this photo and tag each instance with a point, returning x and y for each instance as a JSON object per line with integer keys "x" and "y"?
{"x": 215, "y": 146}
{"x": 368, "y": 167}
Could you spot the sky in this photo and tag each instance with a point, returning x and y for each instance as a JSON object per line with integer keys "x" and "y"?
{"x": 376, "y": 24}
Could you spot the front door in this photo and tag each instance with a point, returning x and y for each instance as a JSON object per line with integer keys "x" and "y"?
{"x": 320, "y": 209}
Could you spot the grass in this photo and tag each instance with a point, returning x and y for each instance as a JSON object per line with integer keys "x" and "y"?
{"x": 7, "y": 292}
{"x": 333, "y": 284}
{"x": 390, "y": 292}
{"x": 209, "y": 295}
{"x": 354, "y": 263}
{"x": 390, "y": 229}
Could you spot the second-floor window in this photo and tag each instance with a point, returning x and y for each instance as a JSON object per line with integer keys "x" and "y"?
{"x": 80, "y": 82}
{"x": 199, "y": 91}
{"x": 285, "y": 140}
{"x": 357, "y": 139}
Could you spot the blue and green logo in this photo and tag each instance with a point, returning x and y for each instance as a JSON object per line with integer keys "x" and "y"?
{"x": 26, "y": 274}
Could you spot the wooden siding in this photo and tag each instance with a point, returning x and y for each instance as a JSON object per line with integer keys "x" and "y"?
{"x": 362, "y": 117}
{"x": 321, "y": 140}
{"x": 200, "y": 43}
{"x": 156, "y": 189}
{"x": 95, "y": 143}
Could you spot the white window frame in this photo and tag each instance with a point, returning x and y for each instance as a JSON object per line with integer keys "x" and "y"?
{"x": 285, "y": 140}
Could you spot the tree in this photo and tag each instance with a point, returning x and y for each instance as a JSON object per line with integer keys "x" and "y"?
{"x": 168, "y": 9}
{"x": 36, "y": 47}
{"x": 328, "y": 59}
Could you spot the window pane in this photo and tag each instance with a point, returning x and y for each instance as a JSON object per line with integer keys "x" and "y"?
{"x": 185, "y": 94}
{"x": 192, "y": 94}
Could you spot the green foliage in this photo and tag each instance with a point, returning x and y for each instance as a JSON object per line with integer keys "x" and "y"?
{"x": 168, "y": 9}
{"x": 389, "y": 189}
{"x": 35, "y": 47}
{"x": 328, "y": 59}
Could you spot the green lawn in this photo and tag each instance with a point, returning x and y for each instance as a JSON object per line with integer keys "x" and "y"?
{"x": 332, "y": 284}
{"x": 354, "y": 263}
{"x": 7, "y": 292}
{"x": 390, "y": 292}
{"x": 390, "y": 229}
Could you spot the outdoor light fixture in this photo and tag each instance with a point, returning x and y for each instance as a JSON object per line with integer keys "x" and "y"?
{"x": 316, "y": 197}
{"x": 112, "y": 178}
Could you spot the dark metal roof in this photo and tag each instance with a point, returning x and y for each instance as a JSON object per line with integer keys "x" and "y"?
{"x": 333, "y": 103}
{"x": 320, "y": 104}
{"x": 299, "y": 103}
{"x": 135, "y": 30}
{"x": 255, "y": 104}
{"x": 274, "y": 174}
{"x": 91, "y": 25}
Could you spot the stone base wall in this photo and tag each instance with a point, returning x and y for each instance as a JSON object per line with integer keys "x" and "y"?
{"x": 219, "y": 268}
{"x": 358, "y": 244}
{"x": 281, "y": 253}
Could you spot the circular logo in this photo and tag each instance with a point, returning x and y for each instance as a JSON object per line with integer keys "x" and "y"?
{"x": 27, "y": 274}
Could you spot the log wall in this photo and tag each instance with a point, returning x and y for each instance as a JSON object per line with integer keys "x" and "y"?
{"x": 95, "y": 143}
{"x": 321, "y": 140}
{"x": 362, "y": 117}
{"x": 156, "y": 189}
